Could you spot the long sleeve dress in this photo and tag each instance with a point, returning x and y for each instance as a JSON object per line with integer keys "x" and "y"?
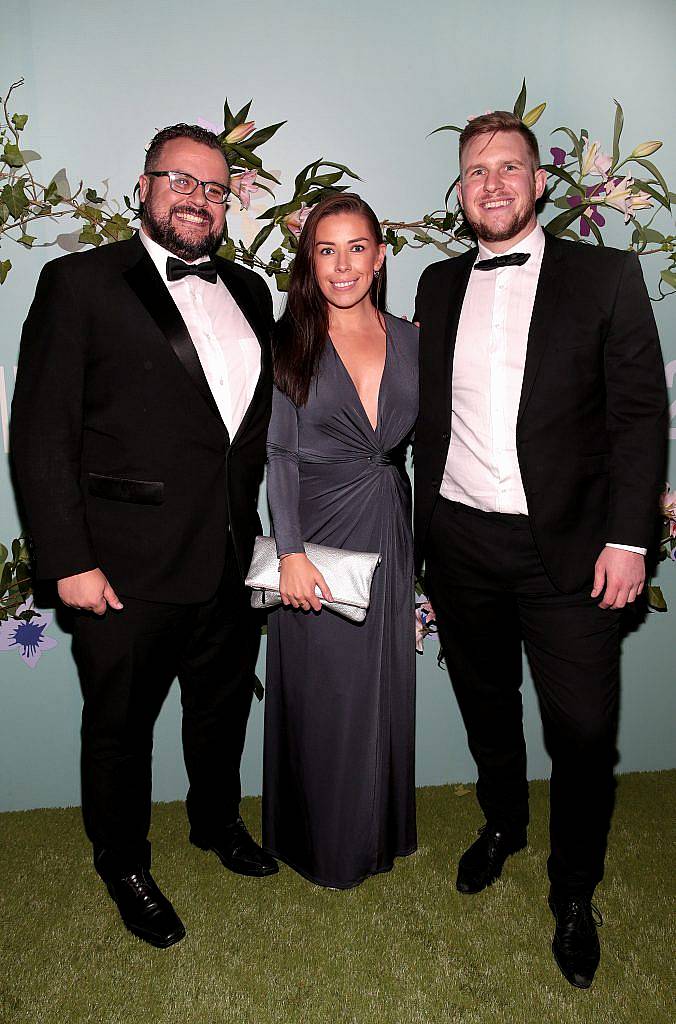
{"x": 339, "y": 785}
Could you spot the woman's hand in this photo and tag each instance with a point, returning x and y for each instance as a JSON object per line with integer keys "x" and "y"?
{"x": 298, "y": 578}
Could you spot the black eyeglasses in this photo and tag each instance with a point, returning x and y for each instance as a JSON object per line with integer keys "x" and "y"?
{"x": 185, "y": 185}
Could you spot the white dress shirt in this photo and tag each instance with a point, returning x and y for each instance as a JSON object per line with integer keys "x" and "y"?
{"x": 225, "y": 343}
{"x": 482, "y": 468}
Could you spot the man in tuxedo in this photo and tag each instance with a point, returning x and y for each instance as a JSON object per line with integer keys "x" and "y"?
{"x": 539, "y": 456}
{"x": 138, "y": 434}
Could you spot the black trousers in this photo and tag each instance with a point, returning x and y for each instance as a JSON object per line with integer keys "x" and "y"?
{"x": 127, "y": 661}
{"x": 490, "y": 593}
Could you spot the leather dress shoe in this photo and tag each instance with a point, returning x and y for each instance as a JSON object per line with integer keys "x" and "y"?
{"x": 144, "y": 909}
{"x": 482, "y": 863}
{"x": 237, "y": 851}
{"x": 575, "y": 944}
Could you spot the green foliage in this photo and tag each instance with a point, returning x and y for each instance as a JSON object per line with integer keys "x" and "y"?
{"x": 571, "y": 195}
{"x": 15, "y": 580}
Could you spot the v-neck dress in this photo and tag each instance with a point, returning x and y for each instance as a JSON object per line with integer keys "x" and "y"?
{"x": 339, "y": 783}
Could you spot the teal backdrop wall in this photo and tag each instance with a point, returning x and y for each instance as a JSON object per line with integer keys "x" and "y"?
{"x": 361, "y": 83}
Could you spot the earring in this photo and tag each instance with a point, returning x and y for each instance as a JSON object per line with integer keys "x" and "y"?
{"x": 376, "y": 274}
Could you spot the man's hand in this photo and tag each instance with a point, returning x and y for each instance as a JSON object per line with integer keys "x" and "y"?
{"x": 623, "y": 575}
{"x": 88, "y": 592}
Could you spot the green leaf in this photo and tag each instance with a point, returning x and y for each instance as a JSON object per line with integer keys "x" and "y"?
{"x": 15, "y": 198}
{"x": 12, "y": 155}
{"x": 563, "y": 220}
{"x": 650, "y": 235}
{"x": 520, "y": 104}
{"x": 90, "y": 236}
{"x": 27, "y": 240}
{"x": 259, "y": 137}
{"x": 669, "y": 277}
{"x": 5, "y": 267}
{"x": 451, "y": 190}
{"x": 319, "y": 180}
{"x": 245, "y": 154}
{"x": 227, "y": 251}
{"x": 617, "y": 132}
{"x": 19, "y": 121}
{"x": 446, "y": 128}
{"x": 656, "y": 599}
{"x": 399, "y": 245}
{"x": 564, "y": 176}
{"x": 3, "y": 554}
{"x": 302, "y": 175}
{"x": 261, "y": 237}
{"x": 51, "y": 195}
{"x": 534, "y": 115}
{"x": 241, "y": 115}
{"x": 282, "y": 281}
{"x": 649, "y": 166}
{"x": 228, "y": 119}
{"x": 92, "y": 197}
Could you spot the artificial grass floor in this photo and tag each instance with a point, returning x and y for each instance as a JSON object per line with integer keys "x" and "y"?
{"x": 402, "y": 948}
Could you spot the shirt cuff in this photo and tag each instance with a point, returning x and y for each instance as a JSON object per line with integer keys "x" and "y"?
{"x": 628, "y": 547}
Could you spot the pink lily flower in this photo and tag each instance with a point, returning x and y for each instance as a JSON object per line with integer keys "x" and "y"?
{"x": 295, "y": 220}
{"x": 240, "y": 132}
{"x": 243, "y": 186}
{"x": 595, "y": 161}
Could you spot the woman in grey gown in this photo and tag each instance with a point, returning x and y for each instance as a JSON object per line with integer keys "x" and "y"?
{"x": 338, "y": 791}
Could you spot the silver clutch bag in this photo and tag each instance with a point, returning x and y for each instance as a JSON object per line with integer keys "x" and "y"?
{"x": 347, "y": 573}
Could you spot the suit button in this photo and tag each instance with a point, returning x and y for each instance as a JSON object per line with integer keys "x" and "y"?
{"x": 435, "y": 483}
{"x": 147, "y": 365}
{"x": 445, "y": 436}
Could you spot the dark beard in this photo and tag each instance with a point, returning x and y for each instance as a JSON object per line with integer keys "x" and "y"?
{"x": 515, "y": 226}
{"x": 163, "y": 231}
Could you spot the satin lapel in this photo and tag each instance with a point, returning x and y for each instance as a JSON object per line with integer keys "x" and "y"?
{"x": 152, "y": 292}
{"x": 456, "y": 296}
{"x": 544, "y": 315}
{"x": 249, "y": 308}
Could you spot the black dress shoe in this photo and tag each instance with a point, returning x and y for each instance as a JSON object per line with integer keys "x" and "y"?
{"x": 238, "y": 851}
{"x": 144, "y": 910}
{"x": 576, "y": 945}
{"x": 482, "y": 863}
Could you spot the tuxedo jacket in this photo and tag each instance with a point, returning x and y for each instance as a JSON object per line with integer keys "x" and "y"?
{"x": 122, "y": 459}
{"x": 592, "y": 419}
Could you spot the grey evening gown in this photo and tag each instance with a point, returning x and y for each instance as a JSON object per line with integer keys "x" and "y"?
{"x": 339, "y": 784}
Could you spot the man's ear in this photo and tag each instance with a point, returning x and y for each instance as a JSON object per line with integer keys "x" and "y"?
{"x": 143, "y": 186}
{"x": 458, "y": 189}
{"x": 540, "y": 181}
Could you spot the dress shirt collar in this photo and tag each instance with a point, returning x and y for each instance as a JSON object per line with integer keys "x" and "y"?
{"x": 534, "y": 243}
{"x": 159, "y": 255}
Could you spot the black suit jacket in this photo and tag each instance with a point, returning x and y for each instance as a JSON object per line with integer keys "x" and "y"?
{"x": 592, "y": 421}
{"x": 121, "y": 456}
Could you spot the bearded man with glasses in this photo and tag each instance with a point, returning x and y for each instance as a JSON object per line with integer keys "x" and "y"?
{"x": 138, "y": 434}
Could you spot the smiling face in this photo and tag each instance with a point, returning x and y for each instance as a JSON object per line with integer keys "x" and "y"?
{"x": 188, "y": 226}
{"x": 345, "y": 257}
{"x": 499, "y": 187}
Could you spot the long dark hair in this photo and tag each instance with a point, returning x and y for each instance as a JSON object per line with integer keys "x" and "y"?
{"x": 300, "y": 333}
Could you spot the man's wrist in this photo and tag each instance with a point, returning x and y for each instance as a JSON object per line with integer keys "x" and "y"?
{"x": 628, "y": 547}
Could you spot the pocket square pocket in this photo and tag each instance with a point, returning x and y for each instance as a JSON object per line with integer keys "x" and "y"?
{"x": 120, "y": 488}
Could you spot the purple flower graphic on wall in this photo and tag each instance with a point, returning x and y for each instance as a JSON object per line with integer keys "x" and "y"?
{"x": 27, "y": 636}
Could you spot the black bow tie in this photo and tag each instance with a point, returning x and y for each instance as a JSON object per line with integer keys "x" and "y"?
{"x": 177, "y": 269}
{"x": 512, "y": 259}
